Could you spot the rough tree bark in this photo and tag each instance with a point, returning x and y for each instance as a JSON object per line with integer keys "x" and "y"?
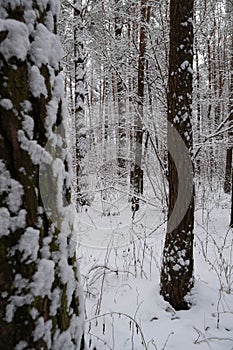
{"x": 40, "y": 294}
{"x": 177, "y": 266}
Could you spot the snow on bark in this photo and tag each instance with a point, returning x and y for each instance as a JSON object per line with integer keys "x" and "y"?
{"x": 6, "y": 103}
{"x": 177, "y": 266}
{"x": 29, "y": 244}
{"x": 43, "y": 278}
{"x": 37, "y": 82}
{"x": 16, "y": 43}
{"x": 40, "y": 284}
{"x": 46, "y": 48}
{"x": 11, "y": 216}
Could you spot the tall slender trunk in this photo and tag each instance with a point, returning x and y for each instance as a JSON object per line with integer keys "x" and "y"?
{"x": 198, "y": 99}
{"x": 137, "y": 173}
{"x": 121, "y": 101}
{"x": 79, "y": 108}
{"x": 177, "y": 267}
{"x": 228, "y": 170}
{"x": 229, "y": 151}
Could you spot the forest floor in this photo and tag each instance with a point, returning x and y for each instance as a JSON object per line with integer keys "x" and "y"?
{"x": 120, "y": 260}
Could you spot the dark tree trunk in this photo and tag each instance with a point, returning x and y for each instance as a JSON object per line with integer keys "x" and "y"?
{"x": 231, "y": 219}
{"x": 137, "y": 172}
{"x": 228, "y": 170}
{"x": 177, "y": 267}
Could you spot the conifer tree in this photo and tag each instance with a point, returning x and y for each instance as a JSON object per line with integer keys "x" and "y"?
{"x": 40, "y": 293}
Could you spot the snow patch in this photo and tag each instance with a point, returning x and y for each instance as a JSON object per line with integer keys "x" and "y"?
{"x": 4, "y": 221}
{"x": 43, "y": 278}
{"x": 13, "y": 192}
{"x": 16, "y": 43}
{"x": 46, "y": 48}
{"x": 63, "y": 341}
{"x": 184, "y": 65}
{"x": 28, "y": 125}
{"x": 176, "y": 267}
{"x": 15, "y": 302}
{"x": 18, "y": 221}
{"x": 52, "y": 107}
{"x": 43, "y": 330}
{"x": 49, "y": 22}
{"x": 20, "y": 282}
{"x": 55, "y": 301}
{"x": 42, "y": 4}
{"x": 6, "y": 104}
{"x": 14, "y": 198}
{"x": 29, "y": 244}
{"x": 36, "y": 152}
{"x": 37, "y": 82}
{"x": 26, "y": 105}
{"x": 30, "y": 18}
{"x": 34, "y": 313}
{"x": 67, "y": 278}
{"x": 21, "y": 345}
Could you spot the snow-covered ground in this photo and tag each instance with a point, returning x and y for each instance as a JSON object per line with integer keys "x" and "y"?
{"x": 120, "y": 261}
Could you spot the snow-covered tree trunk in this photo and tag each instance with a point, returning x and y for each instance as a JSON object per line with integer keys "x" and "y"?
{"x": 228, "y": 173}
{"x": 80, "y": 125}
{"x": 177, "y": 268}
{"x": 40, "y": 292}
{"x": 229, "y": 151}
{"x": 121, "y": 101}
{"x": 137, "y": 172}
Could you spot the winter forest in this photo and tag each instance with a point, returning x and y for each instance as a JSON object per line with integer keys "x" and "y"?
{"x": 116, "y": 181}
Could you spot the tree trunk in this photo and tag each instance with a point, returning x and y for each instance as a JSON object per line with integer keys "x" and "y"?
{"x": 177, "y": 267}
{"x": 80, "y": 124}
{"x": 230, "y": 10}
{"x": 40, "y": 294}
{"x": 228, "y": 184}
{"x": 198, "y": 104}
{"x": 231, "y": 218}
{"x": 137, "y": 172}
{"x": 122, "y": 150}
{"x": 228, "y": 170}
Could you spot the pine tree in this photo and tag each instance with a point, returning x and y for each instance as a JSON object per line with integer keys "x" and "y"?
{"x": 41, "y": 298}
